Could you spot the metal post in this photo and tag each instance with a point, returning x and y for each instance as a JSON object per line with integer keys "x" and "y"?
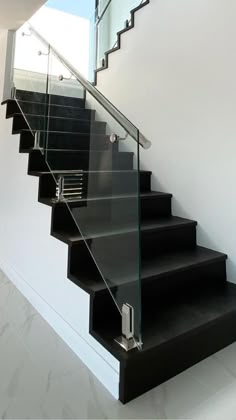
{"x": 127, "y": 341}
{"x": 60, "y": 188}
{"x": 37, "y": 140}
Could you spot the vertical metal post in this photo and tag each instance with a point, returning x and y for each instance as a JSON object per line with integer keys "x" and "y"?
{"x": 127, "y": 341}
{"x": 96, "y": 40}
{"x": 37, "y": 140}
{"x": 8, "y": 89}
{"x": 60, "y": 188}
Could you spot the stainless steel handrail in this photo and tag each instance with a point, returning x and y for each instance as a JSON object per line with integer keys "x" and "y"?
{"x": 113, "y": 111}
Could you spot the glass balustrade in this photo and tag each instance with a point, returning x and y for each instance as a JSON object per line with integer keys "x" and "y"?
{"x": 88, "y": 152}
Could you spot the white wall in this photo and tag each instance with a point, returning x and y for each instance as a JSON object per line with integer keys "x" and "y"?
{"x": 175, "y": 78}
{"x": 69, "y": 34}
{"x": 13, "y": 13}
{"x": 36, "y": 262}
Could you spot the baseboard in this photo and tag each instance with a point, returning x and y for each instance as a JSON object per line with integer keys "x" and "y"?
{"x": 104, "y": 372}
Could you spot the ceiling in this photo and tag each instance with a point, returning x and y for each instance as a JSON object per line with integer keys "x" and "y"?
{"x": 13, "y": 13}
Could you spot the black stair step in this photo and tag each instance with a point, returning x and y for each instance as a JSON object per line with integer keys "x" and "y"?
{"x": 105, "y": 183}
{"x": 45, "y": 110}
{"x": 67, "y": 141}
{"x": 80, "y": 160}
{"x": 39, "y": 122}
{"x": 28, "y": 96}
{"x": 154, "y": 204}
{"x": 175, "y": 337}
{"x": 158, "y": 236}
{"x": 62, "y": 212}
{"x": 164, "y": 275}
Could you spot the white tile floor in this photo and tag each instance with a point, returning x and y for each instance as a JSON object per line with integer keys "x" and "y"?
{"x": 41, "y": 378}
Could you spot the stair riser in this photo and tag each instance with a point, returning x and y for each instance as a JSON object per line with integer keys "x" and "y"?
{"x": 80, "y": 161}
{"x": 125, "y": 210}
{"x": 37, "y": 123}
{"x": 191, "y": 280}
{"x": 122, "y": 213}
{"x": 158, "y": 242}
{"x": 155, "y": 290}
{"x": 47, "y": 188}
{"x": 67, "y": 142}
{"x": 54, "y": 99}
{"x": 155, "y": 242}
{"x": 110, "y": 184}
{"x": 153, "y": 208}
{"x": 169, "y": 360}
{"x": 45, "y": 111}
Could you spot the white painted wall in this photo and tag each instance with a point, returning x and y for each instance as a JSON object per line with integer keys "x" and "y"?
{"x": 68, "y": 33}
{"x": 175, "y": 78}
{"x": 13, "y": 13}
{"x": 36, "y": 262}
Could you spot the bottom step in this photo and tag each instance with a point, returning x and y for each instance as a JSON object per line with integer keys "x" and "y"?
{"x": 175, "y": 338}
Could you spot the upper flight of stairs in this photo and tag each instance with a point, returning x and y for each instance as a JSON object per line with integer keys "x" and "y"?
{"x": 117, "y": 45}
{"x": 188, "y": 307}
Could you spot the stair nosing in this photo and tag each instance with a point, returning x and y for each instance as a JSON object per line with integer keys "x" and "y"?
{"x": 102, "y": 286}
{"x": 51, "y": 104}
{"x": 19, "y": 114}
{"x": 146, "y": 195}
{"x": 63, "y": 236}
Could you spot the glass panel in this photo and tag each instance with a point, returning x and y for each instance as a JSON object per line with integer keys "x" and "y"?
{"x": 99, "y": 182}
{"x": 112, "y": 17}
{"x": 92, "y": 167}
{"x": 30, "y": 77}
{"x": 31, "y": 62}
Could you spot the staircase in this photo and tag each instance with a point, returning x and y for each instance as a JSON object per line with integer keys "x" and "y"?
{"x": 188, "y": 307}
{"x": 129, "y": 24}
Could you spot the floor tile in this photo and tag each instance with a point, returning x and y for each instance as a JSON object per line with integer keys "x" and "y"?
{"x": 222, "y": 406}
{"x": 212, "y": 374}
{"x": 41, "y": 378}
{"x": 3, "y": 278}
{"x": 227, "y": 357}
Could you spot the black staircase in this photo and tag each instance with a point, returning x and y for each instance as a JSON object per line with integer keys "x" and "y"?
{"x": 188, "y": 307}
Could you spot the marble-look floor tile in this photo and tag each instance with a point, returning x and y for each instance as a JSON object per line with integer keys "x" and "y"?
{"x": 3, "y": 278}
{"x": 16, "y": 309}
{"x": 178, "y": 395}
{"x": 212, "y": 374}
{"x": 18, "y": 376}
{"x": 227, "y": 357}
{"x": 41, "y": 378}
{"x": 222, "y": 406}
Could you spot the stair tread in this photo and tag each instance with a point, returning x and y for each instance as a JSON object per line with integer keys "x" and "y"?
{"x": 172, "y": 322}
{"x": 155, "y": 267}
{"x": 106, "y": 153}
{"x": 51, "y": 104}
{"x": 52, "y": 117}
{"x": 71, "y": 133}
{"x": 95, "y": 230}
{"x": 34, "y": 94}
{"x": 144, "y": 196}
{"x": 76, "y": 171}
{"x": 188, "y": 314}
{"x": 180, "y": 260}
